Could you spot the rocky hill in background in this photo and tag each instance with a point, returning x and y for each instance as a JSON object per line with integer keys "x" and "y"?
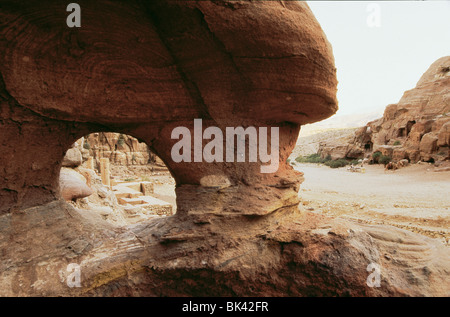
{"x": 341, "y": 121}
{"x": 416, "y": 128}
{"x": 121, "y": 149}
{"x": 309, "y": 143}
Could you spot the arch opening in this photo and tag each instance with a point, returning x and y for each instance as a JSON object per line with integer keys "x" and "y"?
{"x": 117, "y": 177}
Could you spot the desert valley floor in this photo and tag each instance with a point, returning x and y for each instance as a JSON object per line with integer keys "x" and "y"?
{"x": 414, "y": 198}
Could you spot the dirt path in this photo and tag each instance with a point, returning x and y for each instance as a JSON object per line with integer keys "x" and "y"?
{"x": 414, "y": 198}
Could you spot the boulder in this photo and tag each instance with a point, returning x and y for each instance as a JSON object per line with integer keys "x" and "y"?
{"x": 334, "y": 151}
{"x": 73, "y": 158}
{"x": 85, "y": 154}
{"x": 428, "y": 145}
{"x": 444, "y": 135}
{"x": 413, "y": 154}
{"x": 73, "y": 185}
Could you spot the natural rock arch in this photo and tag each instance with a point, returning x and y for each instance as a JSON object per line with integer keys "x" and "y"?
{"x": 143, "y": 68}
{"x": 140, "y": 60}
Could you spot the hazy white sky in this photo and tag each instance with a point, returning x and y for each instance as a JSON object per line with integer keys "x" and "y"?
{"x": 375, "y": 65}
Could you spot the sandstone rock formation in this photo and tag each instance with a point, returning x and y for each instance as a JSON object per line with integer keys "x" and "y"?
{"x": 141, "y": 76}
{"x": 143, "y": 68}
{"x": 417, "y": 127}
{"x": 282, "y": 254}
{"x": 73, "y": 158}
{"x": 310, "y": 144}
{"x": 120, "y": 149}
{"x": 341, "y": 147}
{"x": 73, "y": 185}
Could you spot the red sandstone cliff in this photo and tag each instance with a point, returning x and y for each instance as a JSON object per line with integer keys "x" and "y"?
{"x": 416, "y": 128}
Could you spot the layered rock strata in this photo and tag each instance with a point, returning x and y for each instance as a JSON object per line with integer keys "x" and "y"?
{"x": 144, "y": 68}
{"x": 119, "y": 148}
{"x": 417, "y": 127}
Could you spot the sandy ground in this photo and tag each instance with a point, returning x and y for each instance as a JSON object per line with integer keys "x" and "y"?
{"x": 164, "y": 189}
{"x": 163, "y": 182}
{"x": 414, "y": 198}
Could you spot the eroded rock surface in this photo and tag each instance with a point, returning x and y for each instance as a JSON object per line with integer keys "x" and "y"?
{"x": 143, "y": 68}
{"x": 73, "y": 185}
{"x": 282, "y": 254}
{"x": 119, "y": 148}
{"x": 417, "y": 127}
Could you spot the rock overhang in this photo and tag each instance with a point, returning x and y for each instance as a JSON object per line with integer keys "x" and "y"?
{"x": 161, "y": 61}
